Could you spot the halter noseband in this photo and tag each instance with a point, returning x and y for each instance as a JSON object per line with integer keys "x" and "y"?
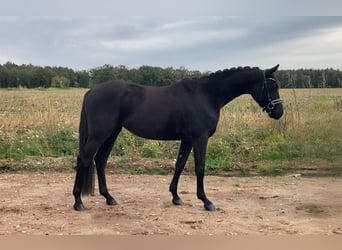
{"x": 271, "y": 103}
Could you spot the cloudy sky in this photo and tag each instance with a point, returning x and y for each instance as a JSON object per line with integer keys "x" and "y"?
{"x": 203, "y": 43}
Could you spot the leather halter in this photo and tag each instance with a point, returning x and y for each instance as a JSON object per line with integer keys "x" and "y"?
{"x": 271, "y": 103}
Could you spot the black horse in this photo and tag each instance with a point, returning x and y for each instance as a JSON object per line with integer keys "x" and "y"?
{"x": 187, "y": 110}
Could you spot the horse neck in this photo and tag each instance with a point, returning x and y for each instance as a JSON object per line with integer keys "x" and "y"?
{"x": 226, "y": 86}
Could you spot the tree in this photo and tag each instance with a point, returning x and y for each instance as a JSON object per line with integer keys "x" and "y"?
{"x": 60, "y": 82}
{"x": 82, "y": 79}
{"x": 102, "y": 74}
{"x": 31, "y": 76}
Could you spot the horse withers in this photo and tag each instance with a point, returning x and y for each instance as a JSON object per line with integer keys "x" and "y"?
{"x": 187, "y": 111}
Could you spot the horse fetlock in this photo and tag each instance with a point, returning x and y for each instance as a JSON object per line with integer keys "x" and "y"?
{"x": 109, "y": 199}
{"x": 201, "y": 195}
{"x": 173, "y": 190}
{"x": 208, "y": 205}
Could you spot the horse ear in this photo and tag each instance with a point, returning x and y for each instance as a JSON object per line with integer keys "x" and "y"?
{"x": 270, "y": 71}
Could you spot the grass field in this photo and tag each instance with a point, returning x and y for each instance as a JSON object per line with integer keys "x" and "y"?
{"x": 43, "y": 123}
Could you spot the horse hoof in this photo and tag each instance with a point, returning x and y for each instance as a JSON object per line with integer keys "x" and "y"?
{"x": 79, "y": 207}
{"x": 209, "y": 207}
{"x": 111, "y": 202}
{"x": 177, "y": 202}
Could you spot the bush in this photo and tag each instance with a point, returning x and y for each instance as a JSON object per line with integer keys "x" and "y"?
{"x": 127, "y": 144}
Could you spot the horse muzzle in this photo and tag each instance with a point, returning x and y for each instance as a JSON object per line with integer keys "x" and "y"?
{"x": 274, "y": 109}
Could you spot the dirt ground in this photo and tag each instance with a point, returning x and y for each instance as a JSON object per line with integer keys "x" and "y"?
{"x": 41, "y": 204}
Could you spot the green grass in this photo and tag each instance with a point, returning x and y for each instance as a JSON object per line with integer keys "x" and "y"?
{"x": 45, "y": 123}
{"x": 56, "y": 143}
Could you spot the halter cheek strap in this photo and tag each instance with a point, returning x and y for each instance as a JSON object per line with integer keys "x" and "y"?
{"x": 271, "y": 103}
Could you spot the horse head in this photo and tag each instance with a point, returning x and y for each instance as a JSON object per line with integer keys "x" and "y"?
{"x": 266, "y": 94}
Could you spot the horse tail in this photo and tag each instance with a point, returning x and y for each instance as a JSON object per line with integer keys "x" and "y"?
{"x": 88, "y": 170}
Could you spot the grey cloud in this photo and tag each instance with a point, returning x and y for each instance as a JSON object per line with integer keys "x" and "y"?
{"x": 206, "y": 43}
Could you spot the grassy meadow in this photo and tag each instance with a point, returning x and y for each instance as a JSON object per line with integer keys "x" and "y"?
{"x": 42, "y": 124}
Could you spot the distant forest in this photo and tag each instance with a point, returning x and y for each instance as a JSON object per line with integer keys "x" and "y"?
{"x": 30, "y": 76}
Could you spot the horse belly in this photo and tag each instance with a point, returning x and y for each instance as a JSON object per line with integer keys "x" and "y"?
{"x": 153, "y": 128}
{"x": 153, "y": 134}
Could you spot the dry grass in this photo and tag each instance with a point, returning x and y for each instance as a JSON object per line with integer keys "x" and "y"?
{"x": 302, "y": 107}
{"x": 25, "y": 109}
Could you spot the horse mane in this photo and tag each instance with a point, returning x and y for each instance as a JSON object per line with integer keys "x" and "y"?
{"x": 192, "y": 83}
{"x": 230, "y": 71}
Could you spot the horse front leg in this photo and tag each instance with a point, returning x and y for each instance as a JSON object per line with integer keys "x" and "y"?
{"x": 182, "y": 157}
{"x": 200, "y": 148}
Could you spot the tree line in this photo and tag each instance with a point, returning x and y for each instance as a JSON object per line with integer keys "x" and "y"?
{"x": 30, "y": 76}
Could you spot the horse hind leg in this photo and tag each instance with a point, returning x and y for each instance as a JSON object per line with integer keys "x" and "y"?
{"x": 84, "y": 172}
{"x": 101, "y": 162}
{"x": 79, "y": 182}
